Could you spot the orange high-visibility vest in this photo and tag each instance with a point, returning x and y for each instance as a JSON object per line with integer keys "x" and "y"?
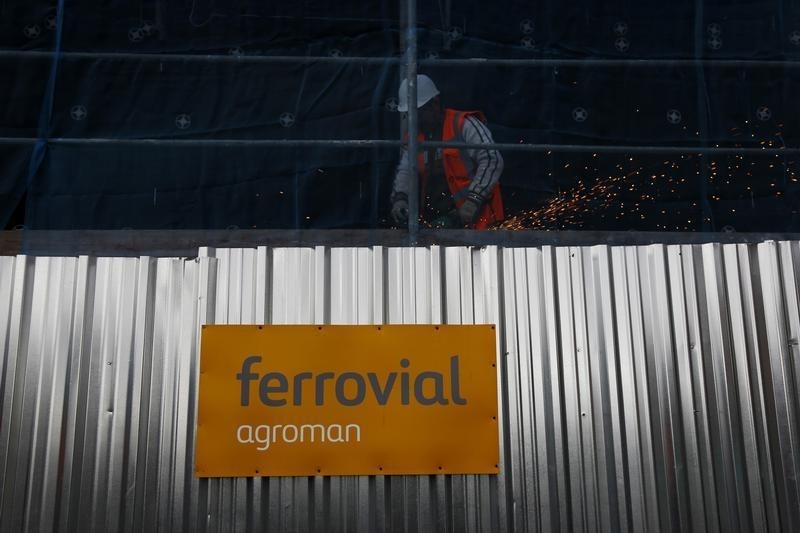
{"x": 455, "y": 170}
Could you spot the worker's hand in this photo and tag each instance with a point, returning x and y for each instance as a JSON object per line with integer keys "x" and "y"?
{"x": 468, "y": 211}
{"x": 400, "y": 212}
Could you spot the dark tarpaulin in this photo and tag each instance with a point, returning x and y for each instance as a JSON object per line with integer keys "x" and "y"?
{"x": 79, "y": 186}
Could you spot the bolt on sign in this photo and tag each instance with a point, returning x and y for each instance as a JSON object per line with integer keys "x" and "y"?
{"x": 347, "y": 400}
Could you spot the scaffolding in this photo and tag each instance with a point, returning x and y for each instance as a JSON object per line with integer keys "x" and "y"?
{"x": 409, "y": 63}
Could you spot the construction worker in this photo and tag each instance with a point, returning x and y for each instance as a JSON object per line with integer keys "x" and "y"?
{"x": 458, "y": 188}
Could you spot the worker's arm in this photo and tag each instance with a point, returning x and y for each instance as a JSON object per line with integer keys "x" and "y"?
{"x": 488, "y": 163}
{"x": 399, "y": 198}
{"x": 401, "y": 178}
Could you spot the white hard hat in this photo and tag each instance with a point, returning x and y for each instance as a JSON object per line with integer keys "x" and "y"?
{"x": 426, "y": 90}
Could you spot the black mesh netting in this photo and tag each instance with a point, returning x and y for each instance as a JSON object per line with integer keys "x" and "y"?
{"x": 94, "y": 98}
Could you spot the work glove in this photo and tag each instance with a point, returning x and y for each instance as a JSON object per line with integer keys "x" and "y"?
{"x": 400, "y": 211}
{"x": 468, "y": 212}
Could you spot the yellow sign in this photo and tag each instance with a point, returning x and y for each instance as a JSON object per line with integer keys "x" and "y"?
{"x": 347, "y": 400}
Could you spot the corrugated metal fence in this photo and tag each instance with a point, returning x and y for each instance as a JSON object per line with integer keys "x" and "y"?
{"x": 648, "y": 388}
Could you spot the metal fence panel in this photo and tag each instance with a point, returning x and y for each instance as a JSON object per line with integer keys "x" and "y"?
{"x": 646, "y": 388}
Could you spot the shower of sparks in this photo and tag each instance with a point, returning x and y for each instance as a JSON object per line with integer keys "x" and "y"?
{"x": 698, "y": 187}
{"x": 566, "y": 208}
